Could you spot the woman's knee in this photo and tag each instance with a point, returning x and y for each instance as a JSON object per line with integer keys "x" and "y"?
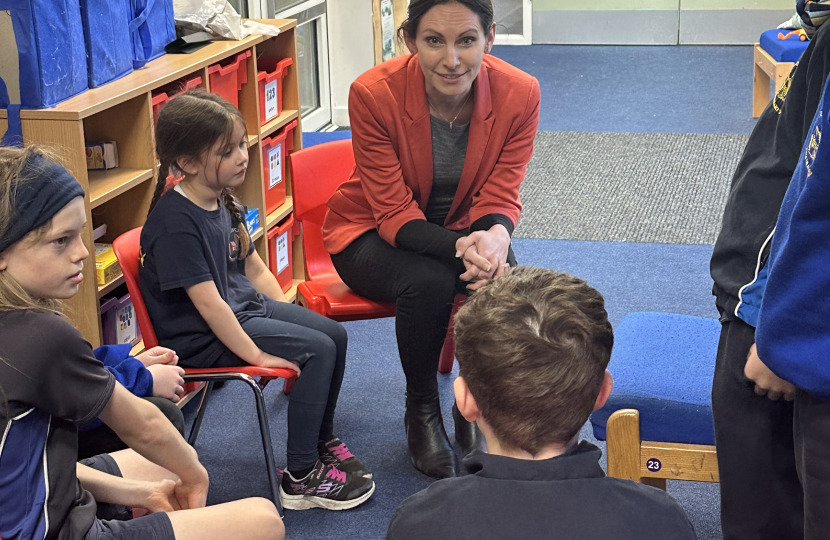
{"x": 435, "y": 283}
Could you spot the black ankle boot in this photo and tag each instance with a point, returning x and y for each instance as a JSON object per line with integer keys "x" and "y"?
{"x": 429, "y": 446}
{"x": 467, "y": 434}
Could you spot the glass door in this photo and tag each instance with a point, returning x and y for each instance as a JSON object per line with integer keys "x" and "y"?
{"x": 513, "y": 22}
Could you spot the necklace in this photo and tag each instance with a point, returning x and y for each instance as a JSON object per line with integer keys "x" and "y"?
{"x": 459, "y": 110}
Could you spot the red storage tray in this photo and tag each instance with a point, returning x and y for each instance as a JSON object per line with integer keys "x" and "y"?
{"x": 226, "y": 80}
{"x": 169, "y": 91}
{"x": 280, "y": 247}
{"x": 269, "y": 76}
{"x": 274, "y": 152}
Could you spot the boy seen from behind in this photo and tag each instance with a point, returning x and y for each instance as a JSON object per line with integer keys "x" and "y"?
{"x": 532, "y": 347}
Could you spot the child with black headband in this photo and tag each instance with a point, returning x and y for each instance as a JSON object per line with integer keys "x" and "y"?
{"x": 50, "y": 383}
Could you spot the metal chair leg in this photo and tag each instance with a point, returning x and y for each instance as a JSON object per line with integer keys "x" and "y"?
{"x": 265, "y": 431}
{"x": 200, "y": 413}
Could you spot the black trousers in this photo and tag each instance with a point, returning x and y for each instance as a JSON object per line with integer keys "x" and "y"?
{"x": 761, "y": 496}
{"x": 103, "y": 440}
{"x": 812, "y": 456}
{"x": 422, "y": 288}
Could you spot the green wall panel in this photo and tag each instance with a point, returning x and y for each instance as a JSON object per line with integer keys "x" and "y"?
{"x": 605, "y": 5}
{"x": 737, "y": 4}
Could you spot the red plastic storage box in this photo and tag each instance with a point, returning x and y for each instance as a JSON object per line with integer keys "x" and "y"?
{"x": 280, "y": 246}
{"x": 274, "y": 152}
{"x": 169, "y": 91}
{"x": 270, "y": 73}
{"x": 226, "y": 79}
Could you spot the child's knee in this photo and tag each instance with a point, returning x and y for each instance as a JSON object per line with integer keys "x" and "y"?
{"x": 263, "y": 512}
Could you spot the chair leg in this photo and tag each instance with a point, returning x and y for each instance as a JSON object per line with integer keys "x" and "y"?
{"x": 622, "y": 436}
{"x": 447, "y": 353}
{"x": 448, "y": 350}
{"x": 200, "y": 413}
{"x": 265, "y": 431}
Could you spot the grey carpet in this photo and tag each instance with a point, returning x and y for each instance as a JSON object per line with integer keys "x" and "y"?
{"x": 667, "y": 188}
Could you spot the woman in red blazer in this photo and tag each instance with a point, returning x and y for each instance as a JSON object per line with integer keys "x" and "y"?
{"x": 442, "y": 138}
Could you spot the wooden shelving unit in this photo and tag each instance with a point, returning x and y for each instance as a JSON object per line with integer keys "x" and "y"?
{"x": 106, "y": 185}
{"x": 121, "y": 111}
{"x": 280, "y": 213}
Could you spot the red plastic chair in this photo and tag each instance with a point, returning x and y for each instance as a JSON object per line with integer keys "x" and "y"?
{"x": 317, "y": 172}
{"x": 127, "y": 249}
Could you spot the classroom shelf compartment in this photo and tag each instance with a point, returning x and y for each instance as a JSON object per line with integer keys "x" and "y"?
{"x": 279, "y": 214}
{"x": 291, "y": 295}
{"x": 108, "y": 287}
{"x": 278, "y": 122}
{"x": 106, "y": 185}
{"x": 257, "y": 234}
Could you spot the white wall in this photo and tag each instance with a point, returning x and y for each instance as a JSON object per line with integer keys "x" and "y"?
{"x": 351, "y": 50}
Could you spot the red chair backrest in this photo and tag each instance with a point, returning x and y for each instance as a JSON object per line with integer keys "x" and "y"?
{"x": 127, "y": 249}
{"x": 316, "y": 174}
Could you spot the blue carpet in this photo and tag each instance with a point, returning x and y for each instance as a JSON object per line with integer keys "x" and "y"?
{"x": 671, "y": 89}
{"x": 633, "y": 277}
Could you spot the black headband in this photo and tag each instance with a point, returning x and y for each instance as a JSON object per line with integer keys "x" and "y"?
{"x": 42, "y": 189}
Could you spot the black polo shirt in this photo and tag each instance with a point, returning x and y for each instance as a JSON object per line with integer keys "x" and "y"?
{"x": 567, "y": 497}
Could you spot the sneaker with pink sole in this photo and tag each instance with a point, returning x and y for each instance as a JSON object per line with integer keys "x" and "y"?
{"x": 327, "y": 487}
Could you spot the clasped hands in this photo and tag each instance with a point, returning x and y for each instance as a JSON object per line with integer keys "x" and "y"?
{"x": 168, "y": 378}
{"x": 484, "y": 254}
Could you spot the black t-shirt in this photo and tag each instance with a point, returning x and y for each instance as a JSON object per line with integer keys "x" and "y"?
{"x": 564, "y": 497}
{"x": 52, "y": 383}
{"x": 184, "y": 245}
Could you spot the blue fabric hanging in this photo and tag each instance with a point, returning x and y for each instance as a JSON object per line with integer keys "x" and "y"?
{"x": 152, "y": 26}
{"x": 107, "y": 38}
{"x": 50, "y": 45}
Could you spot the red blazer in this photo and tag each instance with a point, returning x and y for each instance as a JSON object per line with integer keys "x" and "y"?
{"x": 392, "y": 141}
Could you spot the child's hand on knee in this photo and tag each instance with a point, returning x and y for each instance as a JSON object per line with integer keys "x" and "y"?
{"x": 158, "y": 355}
{"x": 270, "y": 361}
{"x": 160, "y": 496}
{"x": 168, "y": 381}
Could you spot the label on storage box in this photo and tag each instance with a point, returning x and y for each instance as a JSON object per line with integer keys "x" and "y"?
{"x": 282, "y": 252}
{"x": 274, "y": 166}
{"x": 126, "y": 330}
{"x": 271, "y": 99}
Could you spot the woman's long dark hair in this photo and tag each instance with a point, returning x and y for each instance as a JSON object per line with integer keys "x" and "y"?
{"x": 418, "y": 8}
{"x": 189, "y": 126}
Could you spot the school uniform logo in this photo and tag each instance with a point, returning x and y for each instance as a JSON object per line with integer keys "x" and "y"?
{"x": 233, "y": 245}
{"x": 781, "y": 95}
{"x": 814, "y": 140}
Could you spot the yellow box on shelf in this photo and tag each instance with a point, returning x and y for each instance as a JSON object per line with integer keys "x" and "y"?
{"x": 107, "y": 268}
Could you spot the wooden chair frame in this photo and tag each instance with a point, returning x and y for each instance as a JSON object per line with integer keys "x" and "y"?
{"x": 650, "y": 462}
{"x": 766, "y": 69}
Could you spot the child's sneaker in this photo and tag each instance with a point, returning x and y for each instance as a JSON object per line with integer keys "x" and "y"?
{"x": 327, "y": 487}
{"x": 335, "y": 452}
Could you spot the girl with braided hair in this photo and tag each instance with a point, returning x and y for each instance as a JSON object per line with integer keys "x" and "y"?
{"x": 213, "y": 300}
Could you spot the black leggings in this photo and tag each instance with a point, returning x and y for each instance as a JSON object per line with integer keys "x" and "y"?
{"x": 423, "y": 289}
{"x": 316, "y": 344}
